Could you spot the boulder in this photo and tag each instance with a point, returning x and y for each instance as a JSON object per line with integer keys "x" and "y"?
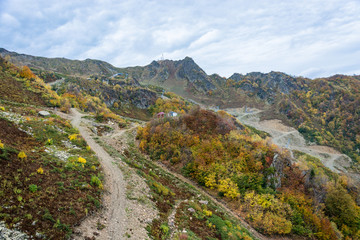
{"x": 44, "y": 113}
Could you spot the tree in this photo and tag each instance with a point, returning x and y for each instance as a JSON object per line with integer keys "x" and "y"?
{"x": 341, "y": 207}
{"x": 27, "y": 73}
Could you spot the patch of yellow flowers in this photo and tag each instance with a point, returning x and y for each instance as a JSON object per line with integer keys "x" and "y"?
{"x": 40, "y": 170}
{"x": 73, "y": 137}
{"x": 22, "y": 155}
{"x": 82, "y": 160}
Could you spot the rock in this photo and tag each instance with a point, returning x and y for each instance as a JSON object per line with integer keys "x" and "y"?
{"x": 191, "y": 210}
{"x": 203, "y": 202}
{"x": 44, "y": 113}
{"x": 11, "y": 234}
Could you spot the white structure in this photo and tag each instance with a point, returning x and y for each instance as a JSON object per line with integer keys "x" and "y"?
{"x": 172, "y": 114}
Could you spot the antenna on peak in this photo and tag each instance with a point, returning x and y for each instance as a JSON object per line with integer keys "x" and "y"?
{"x": 162, "y": 57}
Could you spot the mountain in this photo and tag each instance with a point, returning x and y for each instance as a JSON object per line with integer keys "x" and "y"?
{"x": 183, "y": 76}
{"x": 61, "y": 65}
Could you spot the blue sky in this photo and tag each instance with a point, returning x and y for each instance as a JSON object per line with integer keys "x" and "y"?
{"x": 303, "y": 38}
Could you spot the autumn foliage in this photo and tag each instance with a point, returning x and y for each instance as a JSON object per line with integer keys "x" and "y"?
{"x": 232, "y": 161}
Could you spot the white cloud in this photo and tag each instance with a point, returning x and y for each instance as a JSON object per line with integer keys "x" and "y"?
{"x": 300, "y": 38}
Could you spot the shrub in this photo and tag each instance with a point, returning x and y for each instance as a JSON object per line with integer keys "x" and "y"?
{"x": 22, "y": 155}
{"x": 207, "y": 212}
{"x": 1, "y": 145}
{"x": 40, "y": 170}
{"x": 33, "y": 188}
{"x": 73, "y": 137}
{"x": 95, "y": 181}
{"x": 81, "y": 160}
{"x": 49, "y": 141}
{"x": 164, "y": 228}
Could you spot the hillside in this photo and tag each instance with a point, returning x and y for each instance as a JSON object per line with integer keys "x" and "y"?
{"x": 50, "y": 179}
{"x": 86, "y": 68}
{"x": 275, "y": 193}
{"x": 54, "y": 175}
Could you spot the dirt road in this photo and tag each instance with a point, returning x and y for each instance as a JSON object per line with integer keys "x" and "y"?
{"x": 289, "y": 138}
{"x": 114, "y": 216}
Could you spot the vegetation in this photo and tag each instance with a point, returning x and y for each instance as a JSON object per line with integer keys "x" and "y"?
{"x": 45, "y": 189}
{"x": 170, "y": 195}
{"x": 328, "y": 115}
{"x": 254, "y": 177}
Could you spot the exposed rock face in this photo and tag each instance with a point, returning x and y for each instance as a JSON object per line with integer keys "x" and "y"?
{"x": 278, "y": 164}
{"x": 140, "y": 98}
{"x": 194, "y": 74}
{"x": 268, "y": 85}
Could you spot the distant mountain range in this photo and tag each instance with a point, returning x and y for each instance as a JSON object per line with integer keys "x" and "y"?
{"x": 183, "y": 77}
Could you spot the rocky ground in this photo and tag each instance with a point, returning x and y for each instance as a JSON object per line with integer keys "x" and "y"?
{"x": 11, "y": 234}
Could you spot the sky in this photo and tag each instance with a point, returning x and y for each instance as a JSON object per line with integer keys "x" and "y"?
{"x": 307, "y": 38}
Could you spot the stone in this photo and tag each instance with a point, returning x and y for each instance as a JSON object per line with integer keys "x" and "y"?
{"x": 191, "y": 210}
{"x": 44, "y": 113}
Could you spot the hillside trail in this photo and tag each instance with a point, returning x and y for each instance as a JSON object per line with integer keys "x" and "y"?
{"x": 289, "y": 138}
{"x": 114, "y": 216}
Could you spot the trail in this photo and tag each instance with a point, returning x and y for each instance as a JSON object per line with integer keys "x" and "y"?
{"x": 114, "y": 216}
{"x": 289, "y": 138}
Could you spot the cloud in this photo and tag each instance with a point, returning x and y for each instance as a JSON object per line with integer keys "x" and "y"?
{"x": 300, "y": 38}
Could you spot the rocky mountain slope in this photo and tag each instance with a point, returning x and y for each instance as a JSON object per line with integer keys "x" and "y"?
{"x": 182, "y": 77}
{"x": 61, "y": 65}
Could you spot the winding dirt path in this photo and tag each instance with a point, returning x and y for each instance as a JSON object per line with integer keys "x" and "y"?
{"x": 114, "y": 216}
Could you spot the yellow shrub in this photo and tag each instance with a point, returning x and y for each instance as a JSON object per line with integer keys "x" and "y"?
{"x": 2, "y": 108}
{"x": 22, "y": 155}
{"x": 40, "y": 170}
{"x": 73, "y": 137}
{"x": 49, "y": 141}
{"x": 207, "y": 212}
{"x": 81, "y": 160}
{"x": 1, "y": 145}
{"x": 229, "y": 188}
{"x": 88, "y": 148}
{"x": 210, "y": 181}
